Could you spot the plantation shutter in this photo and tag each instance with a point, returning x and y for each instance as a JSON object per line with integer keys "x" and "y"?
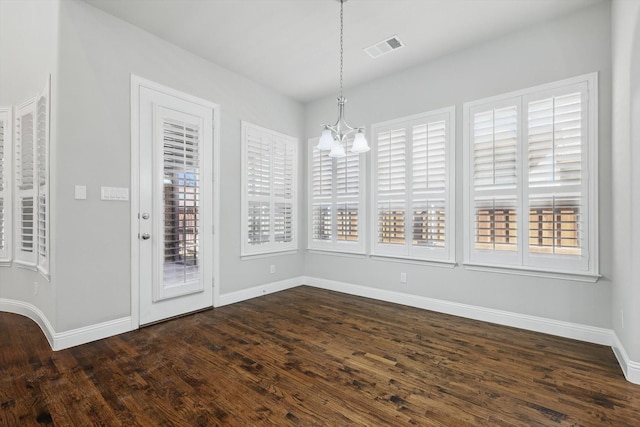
{"x": 42, "y": 175}
{"x": 413, "y": 200}
{"x": 429, "y": 184}
{"x": 391, "y": 187}
{"x": 494, "y": 186}
{"x": 348, "y": 196}
{"x": 283, "y": 191}
{"x": 556, "y": 158}
{"x": 336, "y": 200}
{"x": 269, "y": 196}
{"x": 181, "y": 201}
{"x": 258, "y": 164}
{"x": 531, "y": 179}
{"x": 6, "y": 131}
{"x": 25, "y": 235}
{"x": 321, "y": 196}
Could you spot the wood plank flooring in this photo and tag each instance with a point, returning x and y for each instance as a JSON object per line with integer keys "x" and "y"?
{"x": 311, "y": 357}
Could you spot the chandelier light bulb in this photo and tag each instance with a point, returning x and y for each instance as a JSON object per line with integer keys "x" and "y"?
{"x": 337, "y": 150}
{"x": 360, "y": 143}
{"x": 326, "y": 140}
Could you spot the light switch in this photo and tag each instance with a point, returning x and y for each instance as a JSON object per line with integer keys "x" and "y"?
{"x": 114, "y": 193}
{"x": 81, "y": 192}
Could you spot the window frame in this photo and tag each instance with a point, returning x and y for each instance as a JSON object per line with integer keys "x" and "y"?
{"x": 444, "y": 256}
{"x": 583, "y": 267}
{"x": 289, "y": 142}
{"x": 334, "y": 244}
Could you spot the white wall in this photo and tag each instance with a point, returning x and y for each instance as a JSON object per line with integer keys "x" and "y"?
{"x": 28, "y": 55}
{"x": 555, "y": 50}
{"x": 626, "y": 176}
{"x": 98, "y": 53}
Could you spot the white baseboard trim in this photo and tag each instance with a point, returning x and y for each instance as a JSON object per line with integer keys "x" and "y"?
{"x": 62, "y": 340}
{"x": 90, "y": 333}
{"x": 257, "y": 291}
{"x": 630, "y": 368}
{"x": 32, "y": 312}
{"x": 532, "y": 323}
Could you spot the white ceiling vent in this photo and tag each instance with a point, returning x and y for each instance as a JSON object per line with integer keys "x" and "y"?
{"x": 384, "y": 47}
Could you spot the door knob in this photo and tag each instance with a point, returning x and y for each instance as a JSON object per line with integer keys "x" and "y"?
{"x": 145, "y": 216}
{"x": 145, "y": 236}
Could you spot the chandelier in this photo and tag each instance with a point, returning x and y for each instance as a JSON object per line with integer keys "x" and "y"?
{"x": 334, "y": 137}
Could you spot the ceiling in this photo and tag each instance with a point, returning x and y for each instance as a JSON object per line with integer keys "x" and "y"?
{"x": 293, "y": 45}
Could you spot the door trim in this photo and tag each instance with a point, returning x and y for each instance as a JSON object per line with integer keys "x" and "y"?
{"x": 138, "y": 82}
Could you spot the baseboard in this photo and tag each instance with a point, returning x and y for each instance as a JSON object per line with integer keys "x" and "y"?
{"x": 630, "y": 368}
{"x": 90, "y": 333}
{"x": 32, "y": 312}
{"x": 532, "y": 323}
{"x": 256, "y": 291}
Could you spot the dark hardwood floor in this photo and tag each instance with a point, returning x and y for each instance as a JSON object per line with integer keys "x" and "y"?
{"x": 312, "y": 357}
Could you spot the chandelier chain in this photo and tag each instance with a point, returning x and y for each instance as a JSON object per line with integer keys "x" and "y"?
{"x": 341, "y": 48}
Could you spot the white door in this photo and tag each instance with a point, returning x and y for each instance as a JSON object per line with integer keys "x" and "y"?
{"x": 175, "y": 217}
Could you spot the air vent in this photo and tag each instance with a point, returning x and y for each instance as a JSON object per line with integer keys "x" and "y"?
{"x": 384, "y": 47}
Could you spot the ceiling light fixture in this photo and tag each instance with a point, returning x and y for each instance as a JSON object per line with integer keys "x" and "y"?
{"x": 334, "y": 137}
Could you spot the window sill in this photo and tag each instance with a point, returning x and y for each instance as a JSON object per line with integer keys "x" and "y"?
{"x": 25, "y": 265}
{"x": 416, "y": 261}
{"x": 247, "y": 257}
{"x": 521, "y": 271}
{"x": 337, "y": 252}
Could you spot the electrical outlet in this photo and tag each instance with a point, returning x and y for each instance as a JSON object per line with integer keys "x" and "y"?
{"x": 273, "y": 268}
{"x": 403, "y": 277}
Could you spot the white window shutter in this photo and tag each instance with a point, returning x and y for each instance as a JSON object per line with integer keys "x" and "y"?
{"x": 181, "y": 198}
{"x": 42, "y": 179}
{"x": 391, "y": 188}
{"x": 269, "y": 196}
{"x": 530, "y": 203}
{"x": 336, "y": 200}
{"x": 414, "y": 185}
{"x": 6, "y": 145}
{"x": 558, "y": 192}
{"x": 555, "y": 141}
{"x": 25, "y": 155}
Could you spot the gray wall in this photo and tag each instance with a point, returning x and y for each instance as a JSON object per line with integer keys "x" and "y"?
{"x": 28, "y": 46}
{"x": 571, "y": 46}
{"x": 98, "y": 53}
{"x": 626, "y": 177}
